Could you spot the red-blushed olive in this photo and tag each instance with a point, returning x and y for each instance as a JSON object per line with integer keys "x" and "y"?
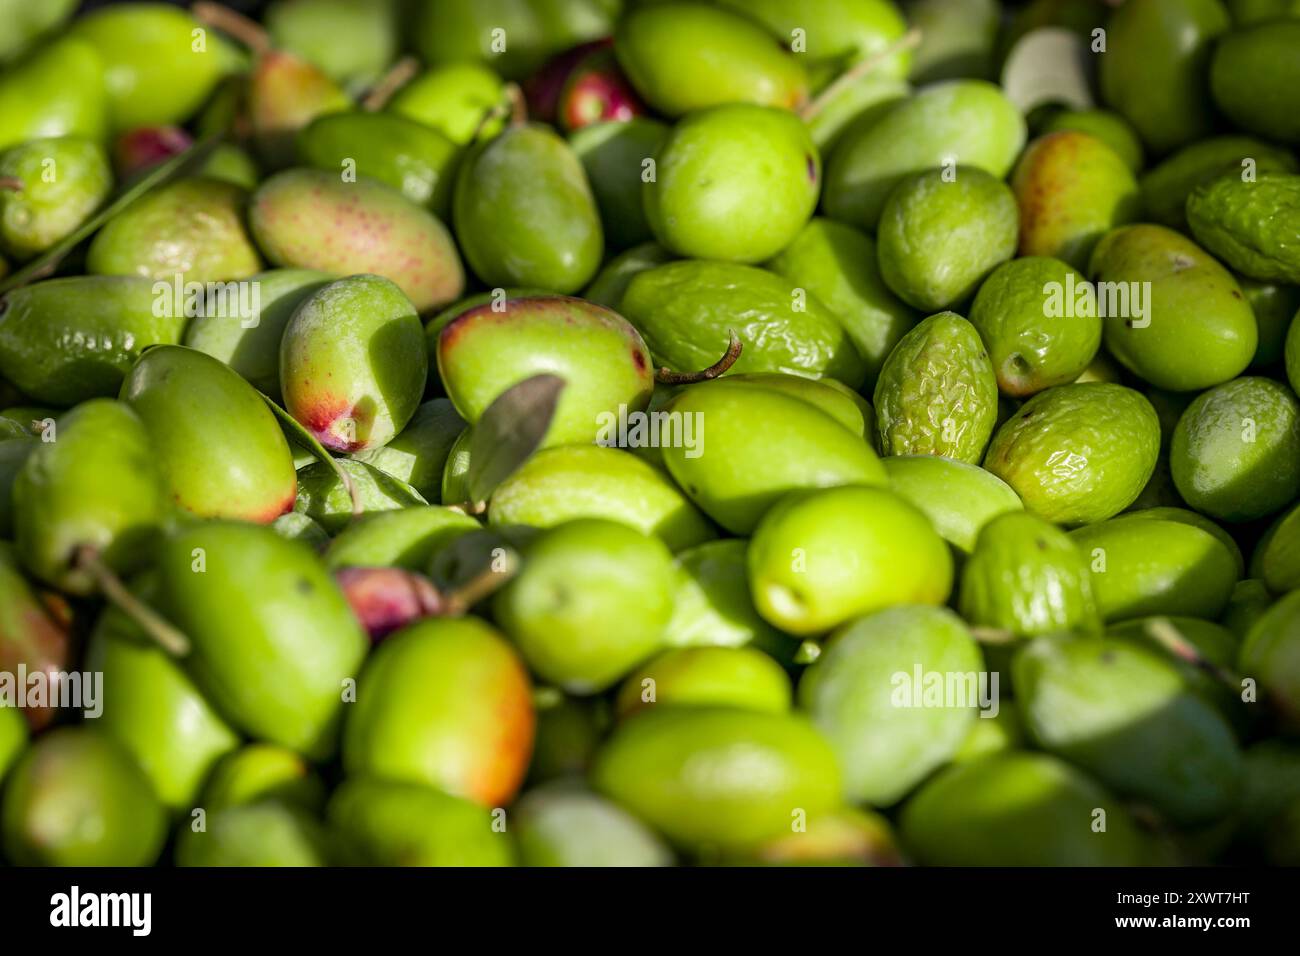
{"x": 445, "y": 702}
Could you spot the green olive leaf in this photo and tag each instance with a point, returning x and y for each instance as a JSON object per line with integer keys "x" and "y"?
{"x": 510, "y": 430}
{"x": 1051, "y": 65}
{"x": 308, "y": 441}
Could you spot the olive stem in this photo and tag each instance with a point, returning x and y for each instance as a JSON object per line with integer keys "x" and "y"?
{"x": 666, "y": 376}
{"x": 246, "y": 31}
{"x": 471, "y": 508}
{"x": 1163, "y": 632}
{"x": 12, "y": 183}
{"x": 461, "y": 599}
{"x": 309, "y": 442}
{"x": 150, "y": 621}
{"x": 402, "y": 72}
{"x": 907, "y": 41}
{"x": 490, "y": 114}
{"x": 992, "y": 635}
{"x": 518, "y": 105}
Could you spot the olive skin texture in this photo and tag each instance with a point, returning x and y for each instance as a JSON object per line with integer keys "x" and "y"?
{"x": 309, "y": 219}
{"x": 707, "y": 676}
{"x": 404, "y": 154}
{"x": 353, "y": 365}
{"x": 451, "y": 99}
{"x": 1127, "y": 716}
{"x": 218, "y": 447}
{"x": 192, "y": 228}
{"x": 252, "y": 346}
{"x": 837, "y": 264}
{"x": 1271, "y": 653}
{"x": 406, "y": 538}
{"x": 76, "y": 798}
{"x": 974, "y": 814}
{"x": 95, "y": 487}
{"x": 324, "y": 498}
{"x": 685, "y": 309}
{"x": 389, "y": 823}
{"x": 712, "y": 606}
{"x": 1028, "y": 577}
{"x": 446, "y": 703}
{"x": 1197, "y": 329}
{"x": 1250, "y": 225}
{"x": 56, "y": 90}
{"x": 45, "y": 210}
{"x": 257, "y": 772}
{"x": 756, "y": 446}
{"x": 577, "y": 580}
{"x": 277, "y": 664}
{"x": 562, "y": 825}
{"x": 733, "y": 183}
{"x": 1166, "y": 186}
{"x": 1111, "y": 128}
{"x": 887, "y": 737}
{"x": 258, "y": 834}
{"x": 966, "y": 121}
{"x": 688, "y": 772}
{"x": 591, "y": 481}
{"x": 603, "y": 360}
{"x": 683, "y": 57}
{"x": 1071, "y": 188}
{"x": 927, "y": 218}
{"x": 59, "y": 349}
{"x": 937, "y": 394}
{"x": 154, "y": 710}
{"x": 1154, "y": 71}
{"x": 153, "y": 71}
{"x": 525, "y": 214}
{"x": 1254, "y": 79}
{"x": 959, "y": 498}
{"x": 1029, "y": 351}
{"x": 1078, "y": 453}
{"x": 418, "y": 453}
{"x": 1276, "y": 560}
{"x": 809, "y": 556}
{"x": 461, "y": 31}
{"x": 1236, "y": 451}
{"x": 613, "y": 153}
{"x": 837, "y": 31}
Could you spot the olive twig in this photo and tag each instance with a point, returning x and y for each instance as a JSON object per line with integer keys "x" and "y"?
{"x": 308, "y": 441}
{"x": 460, "y": 599}
{"x": 1163, "y": 632}
{"x": 402, "y": 72}
{"x": 993, "y": 635}
{"x": 666, "y": 376}
{"x": 907, "y": 41}
{"x": 518, "y": 104}
{"x": 12, "y": 183}
{"x": 246, "y": 31}
{"x": 150, "y": 621}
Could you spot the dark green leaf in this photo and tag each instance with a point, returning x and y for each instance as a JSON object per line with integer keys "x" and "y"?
{"x": 510, "y": 431}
